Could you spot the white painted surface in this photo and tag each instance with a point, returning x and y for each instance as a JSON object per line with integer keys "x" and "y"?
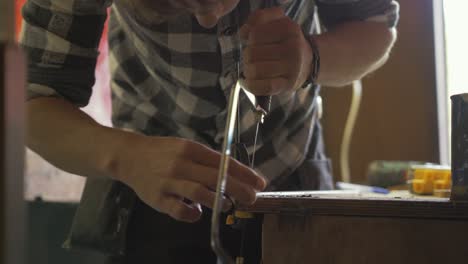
{"x": 441, "y": 77}
{"x": 456, "y": 56}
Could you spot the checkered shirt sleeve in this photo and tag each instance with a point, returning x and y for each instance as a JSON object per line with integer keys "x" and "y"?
{"x": 334, "y": 12}
{"x": 61, "y": 39}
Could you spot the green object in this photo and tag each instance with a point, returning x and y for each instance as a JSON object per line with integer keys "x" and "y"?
{"x": 382, "y": 173}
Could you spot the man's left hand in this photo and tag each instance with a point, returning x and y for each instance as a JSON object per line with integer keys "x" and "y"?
{"x": 277, "y": 57}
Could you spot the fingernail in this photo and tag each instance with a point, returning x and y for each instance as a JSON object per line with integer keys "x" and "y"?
{"x": 262, "y": 184}
{"x": 261, "y": 181}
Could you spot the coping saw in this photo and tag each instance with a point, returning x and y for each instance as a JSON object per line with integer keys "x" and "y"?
{"x": 262, "y": 106}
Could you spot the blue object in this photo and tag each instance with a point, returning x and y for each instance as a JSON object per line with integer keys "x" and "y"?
{"x": 359, "y": 187}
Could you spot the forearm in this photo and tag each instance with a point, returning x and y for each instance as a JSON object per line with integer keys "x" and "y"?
{"x": 71, "y": 140}
{"x": 164, "y": 172}
{"x": 350, "y": 51}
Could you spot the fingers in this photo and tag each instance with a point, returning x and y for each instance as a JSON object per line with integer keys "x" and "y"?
{"x": 273, "y": 32}
{"x": 272, "y": 86}
{"x": 194, "y": 192}
{"x": 275, "y": 58}
{"x": 260, "y": 17}
{"x": 208, "y": 176}
{"x": 270, "y": 52}
{"x": 270, "y": 61}
{"x": 180, "y": 210}
{"x": 265, "y": 69}
{"x": 246, "y": 175}
{"x": 205, "y": 156}
{"x": 272, "y": 68}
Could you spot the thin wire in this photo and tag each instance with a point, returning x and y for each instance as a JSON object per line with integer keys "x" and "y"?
{"x": 252, "y": 161}
{"x": 239, "y": 75}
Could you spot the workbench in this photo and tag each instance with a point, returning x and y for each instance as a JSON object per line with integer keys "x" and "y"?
{"x": 303, "y": 228}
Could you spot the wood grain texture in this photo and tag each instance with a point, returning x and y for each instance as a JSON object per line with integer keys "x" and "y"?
{"x": 362, "y": 240}
{"x": 301, "y": 204}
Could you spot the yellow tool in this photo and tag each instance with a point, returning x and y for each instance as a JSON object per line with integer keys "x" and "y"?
{"x": 430, "y": 180}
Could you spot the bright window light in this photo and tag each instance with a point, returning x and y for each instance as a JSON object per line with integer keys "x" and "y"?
{"x": 455, "y": 77}
{"x": 457, "y": 45}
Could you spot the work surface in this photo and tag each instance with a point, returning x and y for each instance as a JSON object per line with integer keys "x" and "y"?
{"x": 302, "y": 227}
{"x": 397, "y": 204}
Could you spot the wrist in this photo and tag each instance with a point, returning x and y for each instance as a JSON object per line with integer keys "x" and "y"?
{"x": 115, "y": 155}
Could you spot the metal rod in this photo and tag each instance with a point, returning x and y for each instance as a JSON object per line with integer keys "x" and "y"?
{"x": 223, "y": 256}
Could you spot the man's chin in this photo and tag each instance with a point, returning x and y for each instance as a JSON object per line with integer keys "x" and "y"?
{"x": 207, "y": 21}
{"x": 149, "y": 12}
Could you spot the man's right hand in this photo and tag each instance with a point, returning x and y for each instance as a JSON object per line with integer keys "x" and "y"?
{"x": 175, "y": 176}
{"x": 172, "y": 175}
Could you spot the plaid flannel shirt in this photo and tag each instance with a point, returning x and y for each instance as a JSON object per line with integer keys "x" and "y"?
{"x": 172, "y": 78}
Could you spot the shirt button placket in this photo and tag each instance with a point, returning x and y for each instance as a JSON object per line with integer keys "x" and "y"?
{"x": 228, "y": 31}
{"x": 225, "y": 32}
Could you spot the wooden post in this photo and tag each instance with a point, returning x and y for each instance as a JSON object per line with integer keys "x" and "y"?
{"x": 12, "y": 85}
{"x": 7, "y": 20}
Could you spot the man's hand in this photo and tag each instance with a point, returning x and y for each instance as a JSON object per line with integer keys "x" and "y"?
{"x": 172, "y": 175}
{"x": 277, "y": 58}
{"x": 175, "y": 176}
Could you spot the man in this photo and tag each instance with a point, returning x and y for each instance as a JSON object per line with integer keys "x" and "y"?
{"x": 173, "y": 63}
